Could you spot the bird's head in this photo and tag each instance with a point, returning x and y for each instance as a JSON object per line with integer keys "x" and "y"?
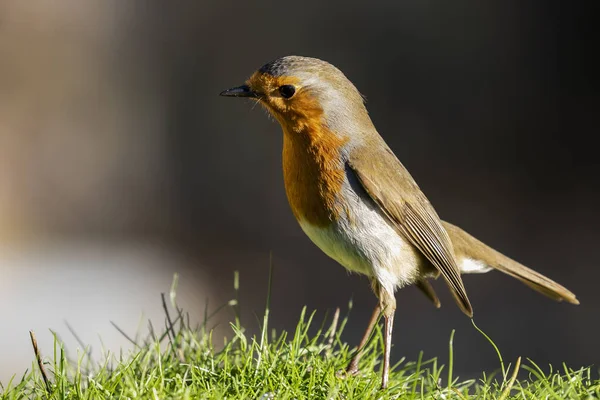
{"x": 301, "y": 92}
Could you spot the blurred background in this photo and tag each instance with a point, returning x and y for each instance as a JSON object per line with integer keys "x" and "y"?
{"x": 120, "y": 165}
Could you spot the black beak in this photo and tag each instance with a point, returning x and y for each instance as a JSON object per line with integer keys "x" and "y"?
{"x": 240, "y": 91}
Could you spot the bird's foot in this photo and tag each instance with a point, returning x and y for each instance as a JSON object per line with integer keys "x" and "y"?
{"x": 351, "y": 370}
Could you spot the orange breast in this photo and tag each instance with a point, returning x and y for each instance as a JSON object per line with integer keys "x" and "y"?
{"x": 312, "y": 170}
{"x": 313, "y": 173}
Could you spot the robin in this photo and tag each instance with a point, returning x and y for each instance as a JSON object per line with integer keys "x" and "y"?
{"x": 356, "y": 201}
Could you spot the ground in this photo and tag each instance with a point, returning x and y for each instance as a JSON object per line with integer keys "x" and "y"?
{"x": 182, "y": 362}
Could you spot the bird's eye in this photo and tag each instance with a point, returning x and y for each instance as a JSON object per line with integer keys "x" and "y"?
{"x": 287, "y": 91}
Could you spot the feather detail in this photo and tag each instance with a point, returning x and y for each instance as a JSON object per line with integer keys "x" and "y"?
{"x": 467, "y": 246}
{"x": 393, "y": 189}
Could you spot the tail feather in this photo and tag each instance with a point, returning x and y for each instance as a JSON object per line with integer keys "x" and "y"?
{"x": 428, "y": 291}
{"x": 467, "y": 246}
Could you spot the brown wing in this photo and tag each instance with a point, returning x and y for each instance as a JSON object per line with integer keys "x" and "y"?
{"x": 394, "y": 190}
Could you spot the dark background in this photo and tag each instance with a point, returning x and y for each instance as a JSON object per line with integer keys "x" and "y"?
{"x": 111, "y": 131}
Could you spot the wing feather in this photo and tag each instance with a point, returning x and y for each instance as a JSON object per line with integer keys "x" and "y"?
{"x": 393, "y": 189}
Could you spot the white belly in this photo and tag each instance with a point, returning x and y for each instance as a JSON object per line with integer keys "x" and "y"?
{"x": 366, "y": 243}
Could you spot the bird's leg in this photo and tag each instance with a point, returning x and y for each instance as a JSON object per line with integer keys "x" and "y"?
{"x": 387, "y": 334}
{"x": 353, "y": 366}
{"x": 388, "y": 307}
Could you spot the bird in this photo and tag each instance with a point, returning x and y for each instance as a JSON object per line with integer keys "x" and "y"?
{"x": 357, "y": 202}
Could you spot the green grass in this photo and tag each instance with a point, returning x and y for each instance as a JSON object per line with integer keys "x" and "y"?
{"x": 183, "y": 363}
